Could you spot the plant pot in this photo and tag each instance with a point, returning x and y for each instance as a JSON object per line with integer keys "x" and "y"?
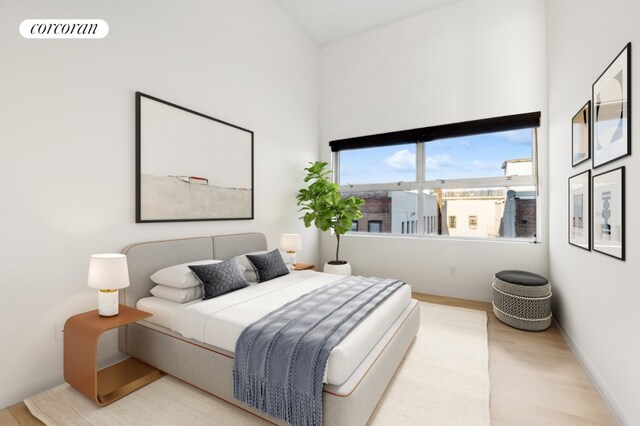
{"x": 343, "y": 268}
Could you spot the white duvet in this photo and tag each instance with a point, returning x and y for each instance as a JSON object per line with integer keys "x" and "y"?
{"x": 220, "y": 321}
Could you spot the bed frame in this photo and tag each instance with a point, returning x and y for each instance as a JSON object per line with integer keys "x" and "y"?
{"x": 210, "y": 368}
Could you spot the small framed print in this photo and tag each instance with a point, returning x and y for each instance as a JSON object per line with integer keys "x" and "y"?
{"x": 581, "y": 135}
{"x": 608, "y": 213}
{"x": 579, "y": 202}
{"x": 611, "y": 105}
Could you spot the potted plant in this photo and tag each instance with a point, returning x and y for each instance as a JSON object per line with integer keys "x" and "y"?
{"x": 324, "y": 207}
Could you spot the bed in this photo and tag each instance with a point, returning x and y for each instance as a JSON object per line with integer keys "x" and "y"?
{"x": 177, "y": 341}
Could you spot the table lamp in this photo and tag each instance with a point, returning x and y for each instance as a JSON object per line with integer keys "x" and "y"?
{"x": 291, "y": 243}
{"x": 108, "y": 272}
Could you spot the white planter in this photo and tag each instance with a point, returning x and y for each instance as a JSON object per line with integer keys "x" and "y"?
{"x": 344, "y": 269}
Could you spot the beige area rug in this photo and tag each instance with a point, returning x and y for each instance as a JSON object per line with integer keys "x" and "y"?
{"x": 443, "y": 380}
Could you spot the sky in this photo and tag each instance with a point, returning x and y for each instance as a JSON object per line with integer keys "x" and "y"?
{"x": 455, "y": 158}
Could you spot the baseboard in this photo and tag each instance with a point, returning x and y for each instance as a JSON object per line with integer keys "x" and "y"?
{"x": 595, "y": 379}
{"x": 15, "y": 395}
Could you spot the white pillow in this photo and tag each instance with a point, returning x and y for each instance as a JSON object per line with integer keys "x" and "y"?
{"x": 180, "y": 295}
{"x": 250, "y": 273}
{"x": 180, "y": 276}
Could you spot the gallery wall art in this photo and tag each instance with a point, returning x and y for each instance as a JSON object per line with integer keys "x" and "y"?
{"x": 608, "y": 213}
{"x": 611, "y": 104}
{"x": 581, "y": 135}
{"x": 579, "y": 206}
{"x": 601, "y": 129}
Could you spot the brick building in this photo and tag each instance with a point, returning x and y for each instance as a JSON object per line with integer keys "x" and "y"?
{"x": 525, "y": 218}
{"x": 376, "y": 212}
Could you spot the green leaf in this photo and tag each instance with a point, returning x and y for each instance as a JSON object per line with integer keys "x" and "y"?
{"x": 323, "y": 203}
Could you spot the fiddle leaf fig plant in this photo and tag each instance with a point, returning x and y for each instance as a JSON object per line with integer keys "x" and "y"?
{"x": 324, "y": 206}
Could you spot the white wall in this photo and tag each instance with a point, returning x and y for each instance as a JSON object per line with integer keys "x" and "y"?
{"x": 468, "y": 61}
{"x": 596, "y": 296}
{"x": 67, "y": 146}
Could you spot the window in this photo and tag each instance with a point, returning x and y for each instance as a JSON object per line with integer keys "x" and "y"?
{"x": 395, "y": 158}
{"x": 374, "y": 226}
{"x": 354, "y": 226}
{"x": 473, "y": 222}
{"x": 483, "y": 171}
{"x": 452, "y": 222}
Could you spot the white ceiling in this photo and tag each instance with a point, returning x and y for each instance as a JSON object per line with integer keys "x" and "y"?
{"x": 326, "y": 21}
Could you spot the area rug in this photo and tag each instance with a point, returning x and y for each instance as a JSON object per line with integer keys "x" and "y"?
{"x": 443, "y": 380}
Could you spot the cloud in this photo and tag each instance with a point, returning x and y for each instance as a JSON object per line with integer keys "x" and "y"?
{"x": 438, "y": 161}
{"x": 402, "y": 160}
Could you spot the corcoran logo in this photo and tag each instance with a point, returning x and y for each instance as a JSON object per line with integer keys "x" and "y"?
{"x": 64, "y": 28}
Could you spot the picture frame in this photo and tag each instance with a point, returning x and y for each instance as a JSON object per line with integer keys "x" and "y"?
{"x": 579, "y": 209}
{"x": 608, "y": 213}
{"x": 581, "y": 135}
{"x": 190, "y": 166}
{"x": 611, "y": 111}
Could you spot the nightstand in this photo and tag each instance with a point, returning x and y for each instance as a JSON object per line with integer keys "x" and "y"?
{"x": 81, "y": 333}
{"x": 304, "y": 267}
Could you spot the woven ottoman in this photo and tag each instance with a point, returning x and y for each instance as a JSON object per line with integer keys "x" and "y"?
{"x": 522, "y": 300}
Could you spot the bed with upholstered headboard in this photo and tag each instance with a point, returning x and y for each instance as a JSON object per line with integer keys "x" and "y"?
{"x": 211, "y": 368}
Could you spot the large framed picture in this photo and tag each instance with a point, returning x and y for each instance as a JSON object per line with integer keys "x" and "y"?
{"x": 611, "y": 104}
{"x": 608, "y": 213}
{"x": 581, "y": 135}
{"x": 190, "y": 166}
{"x": 579, "y": 202}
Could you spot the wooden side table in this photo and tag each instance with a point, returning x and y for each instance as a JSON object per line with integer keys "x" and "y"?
{"x": 304, "y": 267}
{"x": 81, "y": 333}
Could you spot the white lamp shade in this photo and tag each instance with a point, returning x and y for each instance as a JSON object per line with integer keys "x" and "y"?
{"x": 290, "y": 242}
{"x": 108, "y": 271}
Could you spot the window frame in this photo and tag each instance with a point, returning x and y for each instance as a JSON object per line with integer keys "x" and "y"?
{"x": 473, "y": 222}
{"x": 376, "y": 222}
{"x": 452, "y": 221}
{"x": 423, "y": 186}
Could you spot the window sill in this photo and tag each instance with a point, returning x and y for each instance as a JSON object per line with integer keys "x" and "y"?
{"x": 443, "y": 238}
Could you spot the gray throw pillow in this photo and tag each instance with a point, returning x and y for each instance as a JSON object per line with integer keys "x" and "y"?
{"x": 269, "y": 265}
{"x": 219, "y": 278}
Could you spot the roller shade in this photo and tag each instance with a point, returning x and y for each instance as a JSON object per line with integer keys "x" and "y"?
{"x": 425, "y": 134}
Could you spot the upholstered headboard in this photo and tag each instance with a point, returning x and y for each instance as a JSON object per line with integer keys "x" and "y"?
{"x": 146, "y": 258}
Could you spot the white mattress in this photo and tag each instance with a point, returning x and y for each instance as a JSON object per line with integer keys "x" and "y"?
{"x": 220, "y": 321}
{"x": 161, "y": 309}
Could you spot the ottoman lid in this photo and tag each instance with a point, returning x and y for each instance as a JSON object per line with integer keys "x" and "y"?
{"x": 522, "y": 278}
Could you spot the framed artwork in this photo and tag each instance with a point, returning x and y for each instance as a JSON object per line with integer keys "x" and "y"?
{"x": 581, "y": 135}
{"x": 579, "y": 202}
{"x": 611, "y": 104}
{"x": 190, "y": 166}
{"x": 608, "y": 213}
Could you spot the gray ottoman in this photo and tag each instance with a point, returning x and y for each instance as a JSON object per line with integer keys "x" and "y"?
{"x": 522, "y": 300}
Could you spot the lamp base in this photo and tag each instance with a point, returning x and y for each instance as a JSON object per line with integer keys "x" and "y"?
{"x": 292, "y": 256}
{"x": 108, "y": 303}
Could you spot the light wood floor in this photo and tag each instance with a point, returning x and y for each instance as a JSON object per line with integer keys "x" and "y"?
{"x": 535, "y": 378}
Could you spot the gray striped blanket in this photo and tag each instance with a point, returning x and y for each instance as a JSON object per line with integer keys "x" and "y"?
{"x": 281, "y": 358}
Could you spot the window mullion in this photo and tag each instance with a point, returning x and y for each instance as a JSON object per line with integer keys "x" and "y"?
{"x": 475, "y": 206}
{"x": 420, "y": 181}
{"x": 335, "y": 157}
{"x": 501, "y": 181}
